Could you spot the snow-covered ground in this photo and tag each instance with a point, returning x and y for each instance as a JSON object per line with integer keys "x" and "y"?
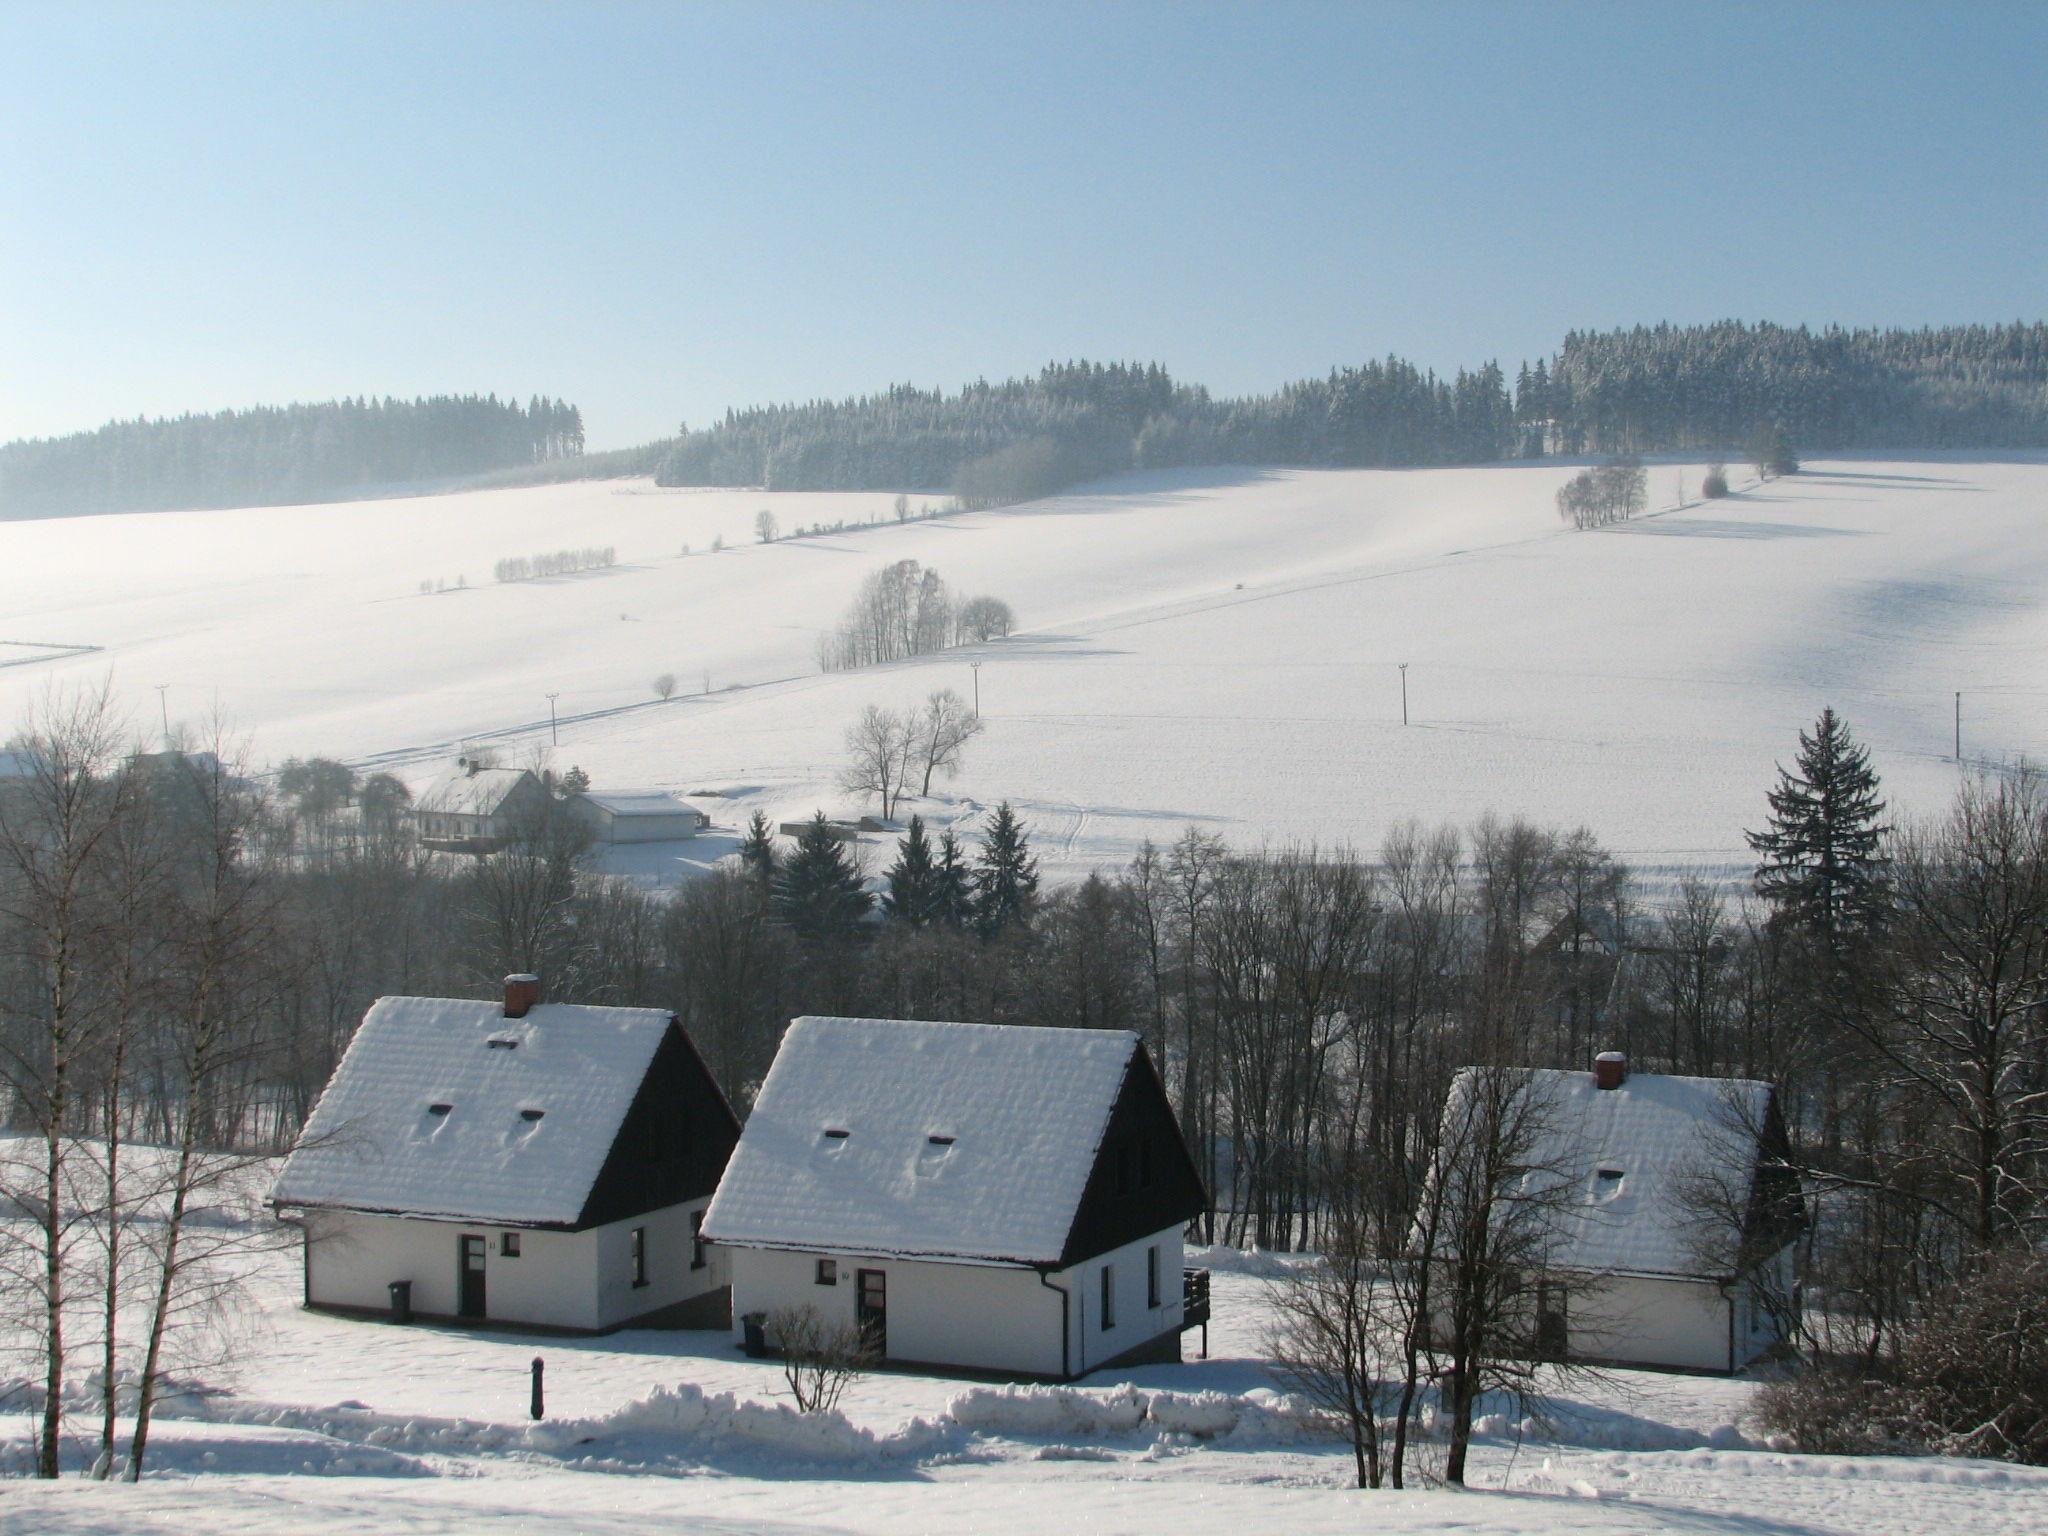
{"x": 1216, "y": 646}
{"x": 364, "y": 1427}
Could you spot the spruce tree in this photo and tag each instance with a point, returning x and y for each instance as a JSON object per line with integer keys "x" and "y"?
{"x": 952, "y": 885}
{"x": 913, "y": 879}
{"x": 757, "y": 850}
{"x": 1006, "y": 878}
{"x": 818, "y": 894}
{"x": 1820, "y": 861}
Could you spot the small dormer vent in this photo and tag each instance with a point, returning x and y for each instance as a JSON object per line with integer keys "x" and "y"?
{"x": 531, "y": 1114}
{"x": 500, "y": 1043}
{"x": 439, "y": 1109}
{"x": 834, "y": 1133}
{"x": 939, "y": 1141}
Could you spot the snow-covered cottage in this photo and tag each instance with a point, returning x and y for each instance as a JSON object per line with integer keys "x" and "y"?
{"x": 1674, "y": 1231}
{"x": 638, "y": 816}
{"x": 532, "y": 1163}
{"x": 475, "y": 809}
{"x": 972, "y": 1196}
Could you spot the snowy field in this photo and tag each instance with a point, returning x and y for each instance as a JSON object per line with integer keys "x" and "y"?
{"x": 1218, "y": 647}
{"x": 363, "y": 1427}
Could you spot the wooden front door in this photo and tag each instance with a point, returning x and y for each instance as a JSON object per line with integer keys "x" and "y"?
{"x": 871, "y": 1310}
{"x": 470, "y": 1295}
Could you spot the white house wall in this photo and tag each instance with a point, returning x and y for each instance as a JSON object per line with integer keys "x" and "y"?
{"x": 977, "y": 1316}
{"x": 1682, "y": 1324}
{"x": 580, "y": 1280}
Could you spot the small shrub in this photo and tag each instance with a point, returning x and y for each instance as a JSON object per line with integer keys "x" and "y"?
{"x": 1715, "y": 486}
{"x": 1832, "y": 1411}
{"x": 819, "y": 1359}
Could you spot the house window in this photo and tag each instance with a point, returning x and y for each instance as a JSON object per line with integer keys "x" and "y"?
{"x": 1152, "y": 1276}
{"x": 1108, "y": 1297}
{"x": 508, "y": 1245}
{"x": 639, "y": 1256}
{"x": 697, "y": 1240}
{"x": 828, "y": 1271}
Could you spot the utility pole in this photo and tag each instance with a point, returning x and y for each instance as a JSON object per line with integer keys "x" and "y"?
{"x": 977, "y": 688}
{"x": 1404, "y": 692}
{"x": 1959, "y": 725}
{"x": 163, "y": 704}
{"x": 554, "y": 731}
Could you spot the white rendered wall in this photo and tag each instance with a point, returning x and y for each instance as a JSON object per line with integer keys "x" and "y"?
{"x": 977, "y": 1316}
{"x": 558, "y": 1280}
{"x": 1678, "y": 1323}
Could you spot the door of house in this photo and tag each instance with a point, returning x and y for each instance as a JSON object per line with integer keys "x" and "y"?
{"x": 470, "y": 1297}
{"x": 871, "y": 1310}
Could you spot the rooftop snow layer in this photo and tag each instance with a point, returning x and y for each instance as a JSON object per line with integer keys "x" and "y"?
{"x": 639, "y": 802}
{"x": 1633, "y": 1154}
{"x": 378, "y": 1142}
{"x": 1025, "y": 1110}
{"x": 462, "y": 792}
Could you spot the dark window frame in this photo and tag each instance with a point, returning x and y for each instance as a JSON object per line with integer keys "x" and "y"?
{"x": 698, "y": 1257}
{"x": 1152, "y": 1276}
{"x": 826, "y": 1272}
{"x": 639, "y": 1241}
{"x": 1108, "y": 1297}
{"x": 508, "y": 1245}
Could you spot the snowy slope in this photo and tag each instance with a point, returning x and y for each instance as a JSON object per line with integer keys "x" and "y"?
{"x": 1218, "y": 647}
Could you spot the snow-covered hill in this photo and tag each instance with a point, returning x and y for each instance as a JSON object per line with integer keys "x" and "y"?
{"x": 1221, "y": 647}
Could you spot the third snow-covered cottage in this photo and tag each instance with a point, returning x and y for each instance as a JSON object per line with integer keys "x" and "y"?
{"x": 1671, "y": 1213}
{"x": 970, "y": 1196}
{"x": 544, "y": 1164}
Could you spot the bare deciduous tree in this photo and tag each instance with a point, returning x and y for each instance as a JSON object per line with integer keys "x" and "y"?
{"x": 879, "y": 746}
{"x": 665, "y": 686}
{"x": 819, "y": 1359}
{"x": 940, "y": 735}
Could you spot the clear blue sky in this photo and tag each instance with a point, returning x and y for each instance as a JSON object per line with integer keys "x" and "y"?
{"x": 662, "y": 210}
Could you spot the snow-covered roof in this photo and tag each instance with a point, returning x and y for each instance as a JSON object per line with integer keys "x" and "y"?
{"x": 640, "y": 802}
{"x": 884, "y": 1136}
{"x": 1634, "y": 1158}
{"x": 462, "y": 791}
{"x": 445, "y": 1107}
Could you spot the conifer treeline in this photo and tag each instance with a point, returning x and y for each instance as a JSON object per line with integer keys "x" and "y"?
{"x": 1651, "y": 389}
{"x": 280, "y": 453}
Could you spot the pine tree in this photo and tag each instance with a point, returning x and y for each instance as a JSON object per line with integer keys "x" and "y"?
{"x": 818, "y": 894}
{"x": 952, "y": 885}
{"x": 913, "y": 879}
{"x": 1820, "y": 861}
{"x": 757, "y": 850}
{"x": 1006, "y": 878}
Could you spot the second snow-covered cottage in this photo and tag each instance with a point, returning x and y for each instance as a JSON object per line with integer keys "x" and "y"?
{"x": 970, "y": 1196}
{"x": 533, "y": 1163}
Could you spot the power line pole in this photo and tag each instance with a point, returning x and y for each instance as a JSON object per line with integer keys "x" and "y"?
{"x": 1404, "y": 692}
{"x": 163, "y": 703}
{"x": 1959, "y": 725}
{"x": 554, "y": 732}
{"x": 977, "y": 688}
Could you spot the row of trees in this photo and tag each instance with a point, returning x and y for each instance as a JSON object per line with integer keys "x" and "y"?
{"x": 290, "y": 453}
{"x": 560, "y": 562}
{"x": 906, "y": 609}
{"x": 1649, "y": 389}
{"x": 1610, "y": 493}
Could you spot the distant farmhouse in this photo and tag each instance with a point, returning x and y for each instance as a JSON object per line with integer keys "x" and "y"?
{"x": 1675, "y": 1238}
{"x": 529, "y": 1163}
{"x": 477, "y": 809}
{"x": 645, "y": 816}
{"x": 970, "y": 1196}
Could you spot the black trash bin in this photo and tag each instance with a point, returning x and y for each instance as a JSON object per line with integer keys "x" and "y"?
{"x": 754, "y": 1335}
{"x": 401, "y": 1301}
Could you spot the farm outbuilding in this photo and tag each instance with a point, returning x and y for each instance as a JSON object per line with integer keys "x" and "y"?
{"x": 968, "y": 1196}
{"x": 531, "y": 1163}
{"x": 640, "y": 816}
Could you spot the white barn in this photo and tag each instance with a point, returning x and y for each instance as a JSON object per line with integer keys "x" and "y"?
{"x": 976, "y": 1197}
{"x": 638, "y": 816}
{"x": 537, "y": 1164}
{"x": 1675, "y": 1243}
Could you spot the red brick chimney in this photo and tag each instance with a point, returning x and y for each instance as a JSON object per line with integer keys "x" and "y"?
{"x": 1610, "y": 1068}
{"x": 521, "y": 993}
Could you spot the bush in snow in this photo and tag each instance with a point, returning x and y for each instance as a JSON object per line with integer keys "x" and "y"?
{"x": 819, "y": 1358}
{"x": 1715, "y": 486}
